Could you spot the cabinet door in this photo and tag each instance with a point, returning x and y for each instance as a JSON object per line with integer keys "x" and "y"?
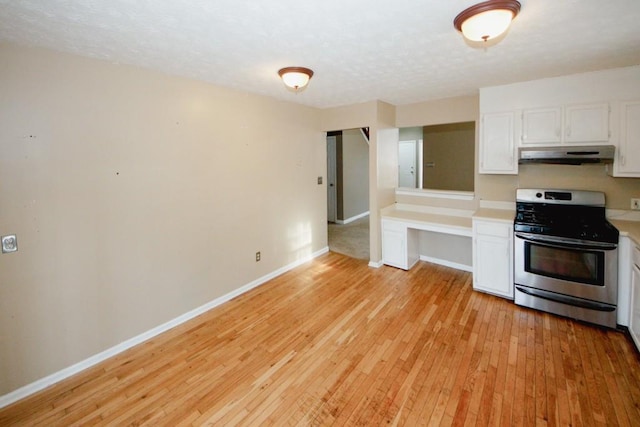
{"x": 493, "y": 258}
{"x": 542, "y": 126}
{"x": 586, "y": 123}
{"x": 634, "y": 324}
{"x": 628, "y": 159}
{"x": 394, "y": 246}
{"x": 497, "y": 148}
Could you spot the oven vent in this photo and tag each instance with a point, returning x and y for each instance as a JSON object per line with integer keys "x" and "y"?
{"x": 564, "y": 155}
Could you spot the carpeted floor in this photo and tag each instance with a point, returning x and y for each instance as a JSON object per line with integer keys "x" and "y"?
{"x": 350, "y": 239}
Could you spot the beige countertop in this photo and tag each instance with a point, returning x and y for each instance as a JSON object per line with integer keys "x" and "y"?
{"x": 507, "y": 215}
{"x": 627, "y": 228}
{"x": 462, "y": 218}
{"x": 454, "y": 219}
{"x": 450, "y": 218}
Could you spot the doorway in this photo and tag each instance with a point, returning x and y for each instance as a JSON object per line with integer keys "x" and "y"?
{"x": 348, "y": 192}
{"x": 407, "y": 164}
{"x": 332, "y": 177}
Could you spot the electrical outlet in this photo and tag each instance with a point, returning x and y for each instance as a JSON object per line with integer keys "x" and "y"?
{"x": 257, "y": 256}
{"x": 319, "y": 180}
{"x": 9, "y": 243}
{"x": 635, "y": 204}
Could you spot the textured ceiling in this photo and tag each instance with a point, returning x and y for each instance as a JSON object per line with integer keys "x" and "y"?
{"x": 400, "y": 51}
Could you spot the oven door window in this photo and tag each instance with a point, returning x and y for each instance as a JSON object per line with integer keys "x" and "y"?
{"x": 575, "y": 265}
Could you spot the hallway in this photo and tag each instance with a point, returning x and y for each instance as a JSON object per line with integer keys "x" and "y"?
{"x": 350, "y": 239}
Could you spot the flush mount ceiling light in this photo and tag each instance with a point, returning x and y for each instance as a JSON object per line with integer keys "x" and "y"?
{"x": 486, "y": 20}
{"x": 295, "y": 77}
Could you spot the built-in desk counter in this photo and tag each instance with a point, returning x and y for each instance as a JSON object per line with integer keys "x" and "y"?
{"x": 485, "y": 234}
{"x": 402, "y": 223}
{"x": 445, "y": 220}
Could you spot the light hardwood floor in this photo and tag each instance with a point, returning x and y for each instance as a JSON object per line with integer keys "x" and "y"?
{"x": 335, "y": 342}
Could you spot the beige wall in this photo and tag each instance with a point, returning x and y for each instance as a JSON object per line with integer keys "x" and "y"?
{"x": 449, "y": 110}
{"x": 136, "y": 197}
{"x": 618, "y": 191}
{"x": 448, "y": 247}
{"x": 383, "y": 171}
{"x": 450, "y": 150}
{"x": 355, "y": 173}
{"x": 349, "y": 117}
{"x": 411, "y": 134}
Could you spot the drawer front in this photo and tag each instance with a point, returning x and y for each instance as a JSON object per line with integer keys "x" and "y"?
{"x": 393, "y": 225}
{"x": 492, "y": 229}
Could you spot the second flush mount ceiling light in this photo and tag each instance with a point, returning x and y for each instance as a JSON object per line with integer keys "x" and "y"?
{"x": 487, "y": 20}
{"x": 295, "y": 77}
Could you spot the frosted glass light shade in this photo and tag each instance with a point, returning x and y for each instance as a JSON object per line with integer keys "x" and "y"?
{"x": 295, "y": 77}
{"x": 486, "y": 20}
{"x": 487, "y": 25}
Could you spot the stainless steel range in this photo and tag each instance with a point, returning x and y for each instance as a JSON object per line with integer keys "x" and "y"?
{"x": 566, "y": 255}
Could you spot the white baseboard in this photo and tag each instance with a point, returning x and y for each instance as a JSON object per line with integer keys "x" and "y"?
{"x": 353, "y": 218}
{"x": 376, "y": 264}
{"x": 49, "y": 380}
{"x": 446, "y": 263}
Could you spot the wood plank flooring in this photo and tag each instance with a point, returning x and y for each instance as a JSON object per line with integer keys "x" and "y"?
{"x": 335, "y": 342}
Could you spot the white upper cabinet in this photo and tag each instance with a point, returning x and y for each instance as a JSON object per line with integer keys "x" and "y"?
{"x": 497, "y": 144}
{"x": 586, "y": 123}
{"x": 627, "y": 163}
{"x": 541, "y": 125}
{"x": 596, "y": 108}
{"x": 571, "y": 124}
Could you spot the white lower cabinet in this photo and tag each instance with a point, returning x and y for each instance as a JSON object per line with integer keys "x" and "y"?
{"x": 394, "y": 246}
{"x": 493, "y": 257}
{"x": 634, "y": 318}
{"x": 399, "y": 246}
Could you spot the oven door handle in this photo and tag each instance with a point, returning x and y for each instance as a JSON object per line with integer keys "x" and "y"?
{"x": 560, "y": 242}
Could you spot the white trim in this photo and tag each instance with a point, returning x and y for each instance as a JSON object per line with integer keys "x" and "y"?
{"x": 49, "y": 380}
{"x": 446, "y": 263}
{"x": 420, "y": 163}
{"x": 438, "y": 194}
{"x": 493, "y": 204}
{"x": 376, "y": 264}
{"x": 353, "y": 218}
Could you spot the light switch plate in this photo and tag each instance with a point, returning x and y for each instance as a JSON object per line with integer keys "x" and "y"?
{"x": 9, "y": 243}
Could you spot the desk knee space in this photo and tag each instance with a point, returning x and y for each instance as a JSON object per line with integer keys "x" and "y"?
{"x": 401, "y": 228}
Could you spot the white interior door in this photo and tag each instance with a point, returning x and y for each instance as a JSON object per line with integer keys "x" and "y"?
{"x": 407, "y": 164}
{"x": 332, "y": 193}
